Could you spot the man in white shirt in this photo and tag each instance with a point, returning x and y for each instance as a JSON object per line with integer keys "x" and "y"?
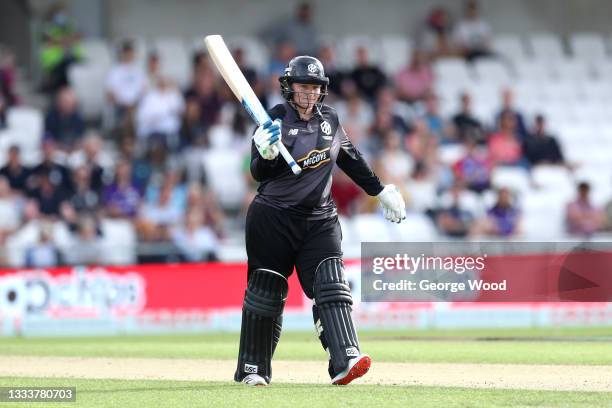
{"x": 125, "y": 83}
{"x": 473, "y": 34}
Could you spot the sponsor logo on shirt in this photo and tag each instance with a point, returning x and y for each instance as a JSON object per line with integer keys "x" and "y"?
{"x": 315, "y": 158}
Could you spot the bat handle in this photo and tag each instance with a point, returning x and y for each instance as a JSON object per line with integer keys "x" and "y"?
{"x": 295, "y": 168}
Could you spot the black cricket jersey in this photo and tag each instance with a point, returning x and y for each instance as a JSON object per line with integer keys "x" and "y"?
{"x": 316, "y": 145}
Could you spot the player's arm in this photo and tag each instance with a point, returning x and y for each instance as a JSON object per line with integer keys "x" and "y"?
{"x": 351, "y": 161}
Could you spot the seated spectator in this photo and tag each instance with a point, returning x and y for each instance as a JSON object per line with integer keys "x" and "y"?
{"x": 157, "y": 218}
{"x": 503, "y": 219}
{"x": 509, "y": 108}
{"x": 15, "y": 172}
{"x": 452, "y": 218}
{"x": 436, "y": 39}
{"x": 332, "y": 71}
{"x": 159, "y": 114}
{"x": 414, "y": 81}
{"x": 355, "y": 114}
{"x": 84, "y": 201}
{"x": 367, "y": 77}
{"x": 284, "y": 51}
{"x": 403, "y": 114}
{"x": 206, "y": 203}
{"x": 9, "y": 210}
{"x": 48, "y": 195}
{"x": 504, "y": 145}
{"x": 50, "y": 167}
{"x": 44, "y": 253}
{"x": 474, "y": 169}
{"x": 64, "y": 122}
{"x": 436, "y": 123}
{"x": 8, "y": 74}
{"x": 60, "y": 47}
{"x": 88, "y": 247}
{"x": 473, "y": 34}
{"x": 422, "y": 144}
{"x": 92, "y": 158}
{"x": 125, "y": 84}
{"x": 540, "y": 147}
{"x": 393, "y": 162}
{"x": 204, "y": 92}
{"x": 195, "y": 240}
{"x": 582, "y": 217}
{"x": 121, "y": 199}
{"x": 193, "y": 132}
{"x": 299, "y": 31}
{"x": 465, "y": 123}
{"x": 154, "y": 73}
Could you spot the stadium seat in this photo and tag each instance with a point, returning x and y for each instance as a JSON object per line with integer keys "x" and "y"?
{"x": 29, "y": 121}
{"x": 224, "y": 174}
{"x": 119, "y": 241}
{"x": 572, "y": 70}
{"x": 417, "y": 227}
{"x": 174, "y": 59}
{"x": 86, "y": 80}
{"x": 588, "y": 46}
{"x": 451, "y": 153}
{"x": 371, "y": 228}
{"x": 514, "y": 178}
{"x": 492, "y": 71}
{"x": 543, "y": 215}
{"x": 452, "y": 70}
{"x": 96, "y": 52}
{"x": 533, "y": 70}
{"x": 546, "y": 46}
{"x": 509, "y": 46}
{"x": 552, "y": 178}
{"x": 422, "y": 195}
{"x": 396, "y": 51}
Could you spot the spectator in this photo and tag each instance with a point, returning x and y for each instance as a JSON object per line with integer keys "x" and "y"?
{"x": 206, "y": 203}
{"x": 159, "y": 114}
{"x": 60, "y": 47}
{"x": 332, "y": 71}
{"x": 299, "y": 31}
{"x": 437, "y": 40}
{"x": 125, "y": 84}
{"x": 87, "y": 248}
{"x": 192, "y": 130}
{"x": 44, "y": 253}
{"x": 121, "y": 199}
{"x": 64, "y": 122}
{"x": 473, "y": 170}
{"x": 414, "y": 81}
{"x": 401, "y": 112}
{"x": 48, "y": 195}
{"x": 156, "y": 218}
{"x": 8, "y": 74}
{"x": 465, "y": 123}
{"x": 542, "y": 148}
{"x": 15, "y": 172}
{"x": 9, "y": 210}
{"x": 453, "y": 218}
{"x": 395, "y": 164}
{"x": 368, "y": 77}
{"x": 355, "y": 114}
{"x": 473, "y": 34}
{"x": 195, "y": 240}
{"x": 154, "y": 73}
{"x": 503, "y": 219}
{"x": 504, "y": 145}
{"x": 85, "y": 198}
{"x": 57, "y": 173}
{"x": 284, "y": 52}
{"x": 204, "y": 92}
{"x": 508, "y": 108}
{"x": 582, "y": 217}
{"x": 422, "y": 145}
{"x": 436, "y": 123}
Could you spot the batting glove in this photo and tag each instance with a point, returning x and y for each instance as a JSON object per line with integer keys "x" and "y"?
{"x": 392, "y": 203}
{"x": 266, "y": 138}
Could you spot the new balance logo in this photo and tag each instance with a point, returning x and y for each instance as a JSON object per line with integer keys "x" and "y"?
{"x": 293, "y": 132}
{"x": 352, "y": 352}
{"x": 251, "y": 369}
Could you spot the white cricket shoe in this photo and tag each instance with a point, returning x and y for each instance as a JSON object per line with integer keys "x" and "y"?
{"x": 254, "y": 380}
{"x": 357, "y": 367}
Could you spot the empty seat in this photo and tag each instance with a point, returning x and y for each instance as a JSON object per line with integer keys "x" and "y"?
{"x": 97, "y": 52}
{"x": 256, "y": 54}
{"x": 87, "y": 80}
{"x": 546, "y": 46}
{"x": 513, "y": 178}
{"x": 396, "y": 52}
{"x": 118, "y": 241}
{"x": 174, "y": 59}
{"x": 452, "y": 70}
{"x": 572, "y": 70}
{"x": 509, "y": 46}
{"x": 588, "y": 46}
{"x": 371, "y": 228}
{"x": 224, "y": 174}
{"x": 492, "y": 71}
{"x": 552, "y": 178}
{"x": 28, "y": 121}
{"x": 533, "y": 70}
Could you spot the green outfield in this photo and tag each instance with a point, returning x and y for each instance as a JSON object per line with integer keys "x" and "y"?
{"x": 572, "y": 347}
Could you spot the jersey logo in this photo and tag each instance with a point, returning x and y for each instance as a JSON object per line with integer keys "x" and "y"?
{"x": 326, "y": 127}
{"x": 293, "y": 132}
{"x": 312, "y": 68}
{"x": 314, "y": 159}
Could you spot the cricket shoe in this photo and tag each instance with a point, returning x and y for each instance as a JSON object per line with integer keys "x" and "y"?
{"x": 254, "y": 380}
{"x": 357, "y": 367}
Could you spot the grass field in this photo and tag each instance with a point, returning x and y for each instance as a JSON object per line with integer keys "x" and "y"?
{"x": 568, "y": 350}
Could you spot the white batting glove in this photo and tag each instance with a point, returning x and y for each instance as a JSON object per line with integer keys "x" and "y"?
{"x": 266, "y": 138}
{"x": 393, "y": 203}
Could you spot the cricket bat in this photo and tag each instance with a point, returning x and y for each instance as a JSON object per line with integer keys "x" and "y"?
{"x": 237, "y": 82}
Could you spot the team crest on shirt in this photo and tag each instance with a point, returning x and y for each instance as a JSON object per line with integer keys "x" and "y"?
{"x": 326, "y": 127}
{"x": 314, "y": 159}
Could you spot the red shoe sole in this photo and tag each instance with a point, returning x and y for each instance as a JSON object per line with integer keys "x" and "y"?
{"x": 358, "y": 370}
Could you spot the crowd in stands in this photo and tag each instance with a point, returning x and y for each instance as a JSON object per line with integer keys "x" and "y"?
{"x": 144, "y": 162}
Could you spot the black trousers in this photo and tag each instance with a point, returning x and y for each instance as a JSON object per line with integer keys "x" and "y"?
{"x": 280, "y": 241}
